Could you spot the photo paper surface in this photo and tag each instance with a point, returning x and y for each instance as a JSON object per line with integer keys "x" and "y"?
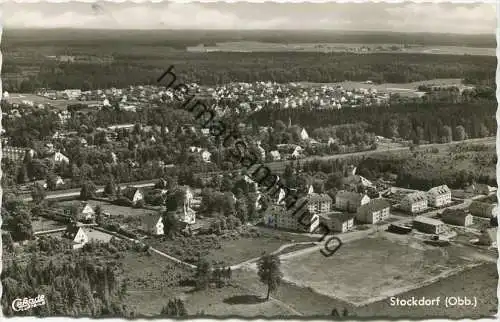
{"x": 249, "y": 160}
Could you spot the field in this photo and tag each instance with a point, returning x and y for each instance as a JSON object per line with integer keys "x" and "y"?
{"x": 394, "y": 266}
{"x": 255, "y": 46}
{"x": 479, "y": 281}
{"x": 59, "y": 104}
{"x": 230, "y": 248}
{"x": 114, "y": 210}
{"x": 153, "y": 280}
{"x": 42, "y": 224}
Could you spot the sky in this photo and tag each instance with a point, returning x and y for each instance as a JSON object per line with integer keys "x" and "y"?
{"x": 401, "y": 17}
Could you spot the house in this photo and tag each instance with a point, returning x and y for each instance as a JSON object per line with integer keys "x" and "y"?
{"x": 59, "y": 182}
{"x": 303, "y": 135}
{"x": 276, "y": 216}
{"x": 342, "y": 222}
{"x": 374, "y": 211}
{"x": 310, "y": 190}
{"x": 205, "y": 155}
{"x": 414, "y": 202}
{"x": 483, "y": 209}
{"x": 153, "y": 224}
{"x": 457, "y": 217}
{"x": 134, "y": 194}
{"x": 319, "y": 202}
{"x": 488, "y": 237}
{"x": 58, "y": 157}
{"x": 186, "y": 215}
{"x": 439, "y": 196}
{"x": 428, "y": 225}
{"x": 76, "y": 234}
{"x": 297, "y": 152}
{"x": 350, "y": 201}
{"x": 275, "y": 155}
{"x": 480, "y": 188}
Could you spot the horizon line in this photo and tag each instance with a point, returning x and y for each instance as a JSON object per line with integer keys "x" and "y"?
{"x": 4, "y": 28}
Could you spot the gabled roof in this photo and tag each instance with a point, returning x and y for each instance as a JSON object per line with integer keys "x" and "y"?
{"x": 439, "y": 190}
{"x": 71, "y": 231}
{"x": 351, "y": 196}
{"x": 415, "y": 196}
{"x": 315, "y": 197}
{"x": 129, "y": 192}
{"x": 150, "y": 220}
{"x": 375, "y": 205}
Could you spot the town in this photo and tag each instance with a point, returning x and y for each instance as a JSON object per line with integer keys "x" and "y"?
{"x": 120, "y": 202}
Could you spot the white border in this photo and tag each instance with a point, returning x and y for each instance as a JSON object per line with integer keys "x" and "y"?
{"x": 64, "y": 319}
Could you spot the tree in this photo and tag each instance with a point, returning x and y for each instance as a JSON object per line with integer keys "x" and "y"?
{"x": 20, "y": 226}
{"x": 38, "y": 193}
{"x": 270, "y": 272}
{"x": 446, "y": 135}
{"x": 459, "y": 134}
{"x": 170, "y": 223}
{"x": 22, "y": 175}
{"x": 51, "y": 181}
{"x": 174, "y": 308}
{"x": 110, "y": 187}
{"x": 88, "y": 190}
{"x": 203, "y": 274}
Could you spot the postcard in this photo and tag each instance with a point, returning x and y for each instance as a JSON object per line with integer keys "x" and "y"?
{"x": 251, "y": 160}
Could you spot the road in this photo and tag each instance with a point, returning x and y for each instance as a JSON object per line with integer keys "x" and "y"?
{"x": 60, "y": 194}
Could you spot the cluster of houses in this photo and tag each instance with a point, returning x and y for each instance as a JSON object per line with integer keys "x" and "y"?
{"x": 419, "y": 201}
{"x": 339, "y": 215}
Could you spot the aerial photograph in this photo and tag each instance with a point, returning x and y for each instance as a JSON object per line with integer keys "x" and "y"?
{"x": 253, "y": 160}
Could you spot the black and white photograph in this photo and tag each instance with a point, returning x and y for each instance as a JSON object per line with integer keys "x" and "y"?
{"x": 209, "y": 160}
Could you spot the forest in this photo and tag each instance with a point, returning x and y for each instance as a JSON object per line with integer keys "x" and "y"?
{"x": 26, "y": 65}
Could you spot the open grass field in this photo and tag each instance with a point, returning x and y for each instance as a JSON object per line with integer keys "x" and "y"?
{"x": 42, "y": 224}
{"x": 113, "y": 210}
{"x": 480, "y": 281}
{"x": 393, "y": 265}
{"x": 59, "y": 104}
{"x": 231, "y": 248}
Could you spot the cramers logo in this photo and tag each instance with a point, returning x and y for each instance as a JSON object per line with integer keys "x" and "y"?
{"x": 26, "y": 303}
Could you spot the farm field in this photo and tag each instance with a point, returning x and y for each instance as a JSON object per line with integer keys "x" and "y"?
{"x": 255, "y": 46}
{"x": 386, "y": 263}
{"x": 59, "y": 104}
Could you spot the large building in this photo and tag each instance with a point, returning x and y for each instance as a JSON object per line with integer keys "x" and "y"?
{"x": 342, "y": 222}
{"x": 439, "y": 196}
{"x": 14, "y": 154}
{"x": 319, "y": 202}
{"x": 483, "y": 209}
{"x": 429, "y": 225}
{"x": 276, "y": 216}
{"x": 414, "y": 202}
{"x": 350, "y": 201}
{"x": 457, "y": 217}
{"x": 374, "y": 211}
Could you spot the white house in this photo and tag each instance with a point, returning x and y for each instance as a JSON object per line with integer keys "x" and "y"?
{"x": 153, "y": 224}
{"x": 59, "y": 182}
{"x": 439, "y": 196}
{"x": 414, "y": 202}
{"x": 77, "y": 235}
{"x": 206, "y": 156}
{"x": 275, "y": 155}
{"x": 58, "y": 157}
{"x": 304, "y": 135}
{"x": 134, "y": 194}
{"x": 350, "y": 201}
{"x": 86, "y": 211}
